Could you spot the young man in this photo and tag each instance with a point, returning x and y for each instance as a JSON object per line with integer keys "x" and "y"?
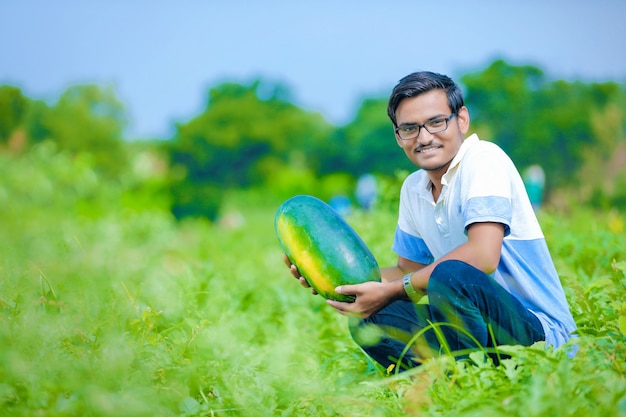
{"x": 467, "y": 237}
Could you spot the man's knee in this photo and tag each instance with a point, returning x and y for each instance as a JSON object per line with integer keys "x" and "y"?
{"x": 447, "y": 275}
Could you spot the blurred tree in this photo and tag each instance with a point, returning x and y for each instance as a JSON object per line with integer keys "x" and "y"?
{"x": 86, "y": 119}
{"x": 369, "y": 142}
{"x": 500, "y": 100}
{"x": 246, "y": 135}
{"x": 559, "y": 131}
{"x": 13, "y": 107}
{"x": 536, "y": 121}
{"x": 602, "y": 177}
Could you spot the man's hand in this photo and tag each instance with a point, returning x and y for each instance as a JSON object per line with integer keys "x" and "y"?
{"x": 296, "y": 274}
{"x": 371, "y": 297}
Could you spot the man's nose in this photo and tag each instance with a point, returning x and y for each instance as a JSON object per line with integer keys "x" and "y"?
{"x": 424, "y": 137}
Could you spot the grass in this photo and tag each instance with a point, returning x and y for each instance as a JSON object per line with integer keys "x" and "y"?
{"x": 112, "y": 310}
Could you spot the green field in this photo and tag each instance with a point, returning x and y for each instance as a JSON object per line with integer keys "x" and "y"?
{"x": 109, "y": 307}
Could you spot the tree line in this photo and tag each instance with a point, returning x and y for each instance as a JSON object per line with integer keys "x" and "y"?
{"x": 253, "y": 136}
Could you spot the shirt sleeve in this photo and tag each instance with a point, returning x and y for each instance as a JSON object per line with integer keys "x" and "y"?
{"x": 411, "y": 247}
{"x": 488, "y": 194}
{"x": 488, "y": 209}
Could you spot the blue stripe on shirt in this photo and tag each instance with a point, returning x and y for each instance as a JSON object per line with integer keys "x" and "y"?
{"x": 411, "y": 247}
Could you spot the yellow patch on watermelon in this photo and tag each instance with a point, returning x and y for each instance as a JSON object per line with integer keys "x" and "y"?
{"x": 302, "y": 258}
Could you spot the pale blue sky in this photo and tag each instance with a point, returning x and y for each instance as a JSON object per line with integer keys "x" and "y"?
{"x": 163, "y": 56}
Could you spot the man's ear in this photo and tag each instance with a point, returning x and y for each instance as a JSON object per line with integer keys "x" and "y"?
{"x": 464, "y": 119}
{"x": 398, "y": 140}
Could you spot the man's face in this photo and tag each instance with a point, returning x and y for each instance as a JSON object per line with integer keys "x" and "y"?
{"x": 431, "y": 151}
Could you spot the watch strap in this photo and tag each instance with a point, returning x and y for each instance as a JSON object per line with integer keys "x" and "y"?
{"x": 408, "y": 287}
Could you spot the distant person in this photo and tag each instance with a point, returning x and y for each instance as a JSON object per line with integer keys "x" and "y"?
{"x": 467, "y": 237}
{"x": 534, "y": 181}
{"x": 366, "y": 191}
{"x": 341, "y": 204}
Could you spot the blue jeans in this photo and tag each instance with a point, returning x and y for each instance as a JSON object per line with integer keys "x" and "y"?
{"x": 458, "y": 294}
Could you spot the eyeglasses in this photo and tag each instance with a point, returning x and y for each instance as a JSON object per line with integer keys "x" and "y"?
{"x": 411, "y": 131}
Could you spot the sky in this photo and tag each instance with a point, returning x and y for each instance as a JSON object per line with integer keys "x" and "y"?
{"x": 162, "y": 57}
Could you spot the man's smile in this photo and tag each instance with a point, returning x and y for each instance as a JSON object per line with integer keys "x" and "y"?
{"x": 427, "y": 149}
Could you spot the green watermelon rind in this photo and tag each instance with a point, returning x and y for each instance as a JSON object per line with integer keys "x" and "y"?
{"x": 329, "y": 252}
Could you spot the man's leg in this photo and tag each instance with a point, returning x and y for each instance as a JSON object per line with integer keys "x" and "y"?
{"x": 385, "y": 335}
{"x": 465, "y": 296}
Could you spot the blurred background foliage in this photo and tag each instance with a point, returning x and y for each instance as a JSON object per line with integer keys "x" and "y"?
{"x": 251, "y": 136}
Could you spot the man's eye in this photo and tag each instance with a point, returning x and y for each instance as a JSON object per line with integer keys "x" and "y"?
{"x": 409, "y": 129}
{"x": 436, "y": 122}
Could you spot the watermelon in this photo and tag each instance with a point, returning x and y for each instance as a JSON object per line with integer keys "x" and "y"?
{"x": 326, "y": 250}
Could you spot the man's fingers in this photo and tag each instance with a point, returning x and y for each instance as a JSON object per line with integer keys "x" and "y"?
{"x": 294, "y": 271}
{"x": 346, "y": 290}
{"x": 303, "y": 282}
{"x": 291, "y": 266}
{"x": 343, "y": 308}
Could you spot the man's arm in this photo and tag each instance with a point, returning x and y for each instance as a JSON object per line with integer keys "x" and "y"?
{"x": 404, "y": 266}
{"x": 482, "y": 250}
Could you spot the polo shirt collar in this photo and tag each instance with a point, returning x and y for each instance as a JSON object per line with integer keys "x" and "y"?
{"x": 467, "y": 143}
{"x": 426, "y": 185}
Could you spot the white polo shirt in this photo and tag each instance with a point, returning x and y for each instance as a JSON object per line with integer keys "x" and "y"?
{"x": 483, "y": 185}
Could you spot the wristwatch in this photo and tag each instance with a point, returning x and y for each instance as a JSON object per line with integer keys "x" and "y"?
{"x": 408, "y": 287}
